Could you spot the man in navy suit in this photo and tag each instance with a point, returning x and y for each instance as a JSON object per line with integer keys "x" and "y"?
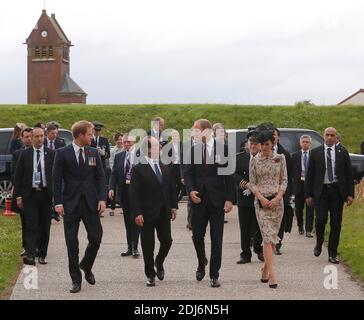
{"x": 80, "y": 194}
{"x": 120, "y": 179}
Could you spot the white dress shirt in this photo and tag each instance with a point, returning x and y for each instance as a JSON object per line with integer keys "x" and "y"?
{"x": 333, "y": 159}
{"x": 210, "y": 145}
{"x": 176, "y": 152}
{"x": 49, "y": 144}
{"x": 152, "y": 162}
{"x": 42, "y": 165}
{"x": 77, "y": 148}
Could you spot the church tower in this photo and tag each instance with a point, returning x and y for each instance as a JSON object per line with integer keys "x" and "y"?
{"x": 49, "y": 79}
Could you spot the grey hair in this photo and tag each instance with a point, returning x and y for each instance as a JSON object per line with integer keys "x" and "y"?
{"x": 306, "y": 136}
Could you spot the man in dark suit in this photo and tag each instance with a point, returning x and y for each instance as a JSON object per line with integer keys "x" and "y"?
{"x": 34, "y": 191}
{"x": 287, "y": 220}
{"x": 175, "y": 149}
{"x": 245, "y": 200}
{"x": 158, "y": 125}
{"x": 80, "y": 194}
{"x": 299, "y": 166}
{"x": 212, "y": 195}
{"x": 52, "y": 141}
{"x": 103, "y": 146}
{"x": 154, "y": 205}
{"x": 329, "y": 183}
{"x": 26, "y": 137}
{"x": 120, "y": 180}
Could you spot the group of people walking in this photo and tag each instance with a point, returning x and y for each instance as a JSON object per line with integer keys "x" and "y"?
{"x": 72, "y": 181}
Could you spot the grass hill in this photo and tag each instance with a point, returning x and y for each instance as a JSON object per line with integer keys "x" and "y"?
{"x": 349, "y": 120}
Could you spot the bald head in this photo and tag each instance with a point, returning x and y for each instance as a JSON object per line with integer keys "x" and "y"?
{"x": 330, "y": 136}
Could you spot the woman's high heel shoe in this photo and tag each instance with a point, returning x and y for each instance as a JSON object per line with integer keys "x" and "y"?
{"x": 273, "y": 285}
{"x": 263, "y": 280}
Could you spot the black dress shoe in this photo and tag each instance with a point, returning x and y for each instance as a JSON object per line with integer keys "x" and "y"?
{"x": 76, "y": 287}
{"x": 127, "y": 253}
{"x": 334, "y": 260}
{"x": 214, "y": 283}
{"x": 317, "y": 250}
{"x": 23, "y": 253}
{"x": 151, "y": 282}
{"x": 278, "y": 252}
{"x": 260, "y": 256}
{"x": 89, "y": 276}
{"x": 160, "y": 271}
{"x": 30, "y": 261}
{"x": 42, "y": 260}
{"x": 309, "y": 235}
{"x": 189, "y": 226}
{"x": 135, "y": 253}
{"x": 200, "y": 274}
{"x": 37, "y": 254}
{"x": 244, "y": 260}
{"x": 301, "y": 231}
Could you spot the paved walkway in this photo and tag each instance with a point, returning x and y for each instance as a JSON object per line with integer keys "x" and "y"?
{"x": 300, "y": 274}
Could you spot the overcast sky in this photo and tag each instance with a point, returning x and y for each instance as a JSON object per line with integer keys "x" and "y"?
{"x": 196, "y": 51}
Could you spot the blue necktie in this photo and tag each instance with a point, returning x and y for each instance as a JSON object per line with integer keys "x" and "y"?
{"x": 158, "y": 173}
{"x": 304, "y": 163}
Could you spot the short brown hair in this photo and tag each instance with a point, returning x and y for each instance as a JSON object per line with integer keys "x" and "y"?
{"x": 117, "y": 136}
{"x": 29, "y": 130}
{"x": 204, "y": 123}
{"x": 81, "y": 127}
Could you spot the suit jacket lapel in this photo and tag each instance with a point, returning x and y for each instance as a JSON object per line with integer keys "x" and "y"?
{"x": 73, "y": 159}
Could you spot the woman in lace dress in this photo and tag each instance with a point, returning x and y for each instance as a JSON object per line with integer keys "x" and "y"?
{"x": 268, "y": 182}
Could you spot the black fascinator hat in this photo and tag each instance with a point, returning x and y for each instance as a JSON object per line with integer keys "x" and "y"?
{"x": 265, "y": 132}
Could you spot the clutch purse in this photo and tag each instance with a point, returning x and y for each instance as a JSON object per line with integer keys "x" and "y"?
{"x": 268, "y": 198}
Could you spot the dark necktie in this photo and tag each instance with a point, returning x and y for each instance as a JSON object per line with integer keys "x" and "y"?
{"x": 39, "y": 168}
{"x": 51, "y": 145}
{"x": 127, "y": 168}
{"x": 204, "y": 154}
{"x": 330, "y": 173}
{"x": 81, "y": 161}
{"x": 304, "y": 163}
{"x": 158, "y": 173}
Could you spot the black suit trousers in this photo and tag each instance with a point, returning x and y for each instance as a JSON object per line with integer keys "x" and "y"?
{"x": 249, "y": 229}
{"x": 93, "y": 226}
{"x": 37, "y": 219}
{"x": 300, "y": 205}
{"x": 330, "y": 201}
{"x": 163, "y": 227}
{"x": 132, "y": 230}
{"x": 202, "y": 214}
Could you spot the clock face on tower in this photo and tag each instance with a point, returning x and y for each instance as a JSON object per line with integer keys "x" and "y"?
{"x": 44, "y": 33}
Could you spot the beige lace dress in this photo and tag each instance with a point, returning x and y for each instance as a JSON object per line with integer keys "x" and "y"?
{"x": 268, "y": 176}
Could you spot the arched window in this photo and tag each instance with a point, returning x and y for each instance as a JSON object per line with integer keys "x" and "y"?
{"x": 44, "y": 52}
{"x": 50, "y": 51}
{"x": 37, "y": 52}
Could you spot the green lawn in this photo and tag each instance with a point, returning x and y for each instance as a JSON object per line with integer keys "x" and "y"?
{"x": 10, "y": 247}
{"x": 351, "y": 248}
{"x": 349, "y": 120}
